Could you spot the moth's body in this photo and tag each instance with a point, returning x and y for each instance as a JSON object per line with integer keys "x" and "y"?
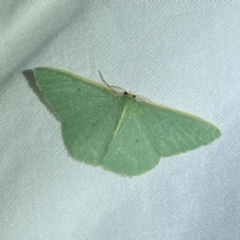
{"x": 121, "y": 92}
{"x": 118, "y": 130}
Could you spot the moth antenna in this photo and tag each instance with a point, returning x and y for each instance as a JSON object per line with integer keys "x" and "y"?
{"x": 106, "y": 82}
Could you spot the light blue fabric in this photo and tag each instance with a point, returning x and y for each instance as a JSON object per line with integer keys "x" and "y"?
{"x": 183, "y": 54}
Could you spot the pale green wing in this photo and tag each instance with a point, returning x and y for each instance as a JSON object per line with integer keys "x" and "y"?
{"x": 148, "y": 132}
{"x": 176, "y": 131}
{"x": 89, "y": 112}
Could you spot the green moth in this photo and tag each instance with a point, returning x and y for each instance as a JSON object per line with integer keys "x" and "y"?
{"x": 118, "y": 131}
